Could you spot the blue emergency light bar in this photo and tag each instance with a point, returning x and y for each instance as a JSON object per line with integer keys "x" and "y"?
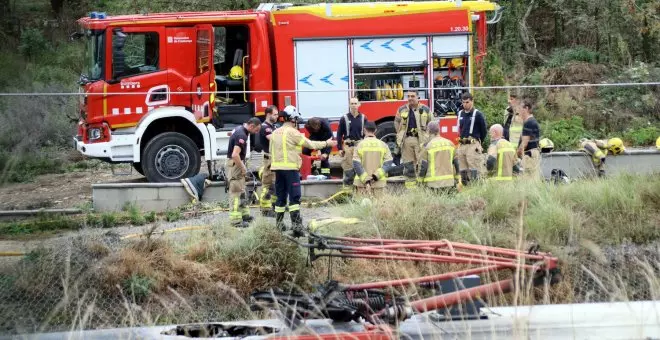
{"x": 97, "y": 15}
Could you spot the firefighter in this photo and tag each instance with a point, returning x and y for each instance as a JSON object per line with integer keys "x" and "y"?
{"x": 410, "y": 124}
{"x": 319, "y": 130}
{"x": 472, "y": 131}
{"x": 267, "y": 176}
{"x": 501, "y": 160}
{"x": 349, "y": 133}
{"x": 372, "y": 160}
{"x": 438, "y": 168}
{"x": 239, "y": 213}
{"x": 513, "y": 122}
{"x": 657, "y": 143}
{"x": 286, "y": 145}
{"x": 528, "y": 146}
{"x": 598, "y": 150}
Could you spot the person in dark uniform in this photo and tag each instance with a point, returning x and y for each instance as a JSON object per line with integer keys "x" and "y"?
{"x": 319, "y": 130}
{"x": 239, "y": 213}
{"x": 528, "y": 146}
{"x": 472, "y": 131}
{"x": 349, "y": 133}
{"x": 266, "y": 175}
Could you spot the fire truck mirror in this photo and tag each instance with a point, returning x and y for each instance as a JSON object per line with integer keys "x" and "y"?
{"x": 118, "y": 56}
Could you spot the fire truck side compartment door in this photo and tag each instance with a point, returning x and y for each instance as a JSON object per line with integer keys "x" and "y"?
{"x": 203, "y": 79}
{"x": 450, "y": 45}
{"x": 322, "y": 65}
{"x": 181, "y": 52}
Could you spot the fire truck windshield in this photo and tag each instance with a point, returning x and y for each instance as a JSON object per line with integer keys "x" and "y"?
{"x": 94, "y": 52}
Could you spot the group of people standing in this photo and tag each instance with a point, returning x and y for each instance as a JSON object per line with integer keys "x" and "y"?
{"x": 427, "y": 158}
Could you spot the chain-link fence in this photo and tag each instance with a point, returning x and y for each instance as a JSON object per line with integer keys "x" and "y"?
{"x": 104, "y": 282}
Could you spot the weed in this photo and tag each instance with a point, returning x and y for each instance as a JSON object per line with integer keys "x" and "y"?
{"x": 150, "y": 217}
{"x": 108, "y": 220}
{"x": 173, "y": 215}
{"x": 138, "y": 287}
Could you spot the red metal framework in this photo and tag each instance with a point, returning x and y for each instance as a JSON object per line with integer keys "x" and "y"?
{"x": 375, "y": 301}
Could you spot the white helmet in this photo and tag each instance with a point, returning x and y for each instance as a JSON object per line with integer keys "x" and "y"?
{"x": 290, "y": 113}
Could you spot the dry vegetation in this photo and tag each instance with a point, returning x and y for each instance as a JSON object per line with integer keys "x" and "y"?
{"x": 605, "y": 232}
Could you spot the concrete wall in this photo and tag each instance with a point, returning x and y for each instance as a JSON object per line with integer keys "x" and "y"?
{"x": 163, "y": 196}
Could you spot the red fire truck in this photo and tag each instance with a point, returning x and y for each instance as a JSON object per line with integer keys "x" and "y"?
{"x": 164, "y": 91}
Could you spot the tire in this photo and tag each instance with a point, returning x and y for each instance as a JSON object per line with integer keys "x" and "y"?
{"x": 169, "y": 157}
{"x": 387, "y": 133}
{"x": 138, "y": 167}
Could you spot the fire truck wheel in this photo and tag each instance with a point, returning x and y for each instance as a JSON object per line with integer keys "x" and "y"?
{"x": 169, "y": 157}
{"x": 138, "y": 167}
{"x": 387, "y": 134}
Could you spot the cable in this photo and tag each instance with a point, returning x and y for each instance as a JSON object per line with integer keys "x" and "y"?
{"x": 546, "y": 86}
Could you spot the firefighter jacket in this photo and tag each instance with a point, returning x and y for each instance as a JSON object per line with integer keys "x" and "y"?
{"x": 501, "y": 162}
{"x": 597, "y": 149}
{"x": 286, "y": 145}
{"x": 402, "y": 120}
{"x": 372, "y": 158}
{"x": 513, "y": 126}
{"x": 438, "y": 168}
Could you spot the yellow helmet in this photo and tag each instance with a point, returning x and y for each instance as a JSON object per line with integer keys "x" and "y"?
{"x": 546, "y": 145}
{"x": 456, "y": 62}
{"x": 615, "y": 145}
{"x": 657, "y": 143}
{"x": 236, "y": 72}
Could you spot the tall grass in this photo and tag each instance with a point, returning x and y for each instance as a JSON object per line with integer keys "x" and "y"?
{"x": 610, "y": 211}
{"x": 604, "y": 232}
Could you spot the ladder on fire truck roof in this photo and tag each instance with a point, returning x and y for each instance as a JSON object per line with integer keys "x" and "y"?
{"x": 346, "y": 9}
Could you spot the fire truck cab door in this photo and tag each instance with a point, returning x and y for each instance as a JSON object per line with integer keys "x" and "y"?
{"x": 203, "y": 83}
{"x": 138, "y": 65}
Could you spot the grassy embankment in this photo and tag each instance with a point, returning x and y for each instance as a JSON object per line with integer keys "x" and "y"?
{"x": 605, "y": 232}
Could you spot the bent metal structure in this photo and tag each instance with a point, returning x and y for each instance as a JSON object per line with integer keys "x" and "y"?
{"x": 456, "y": 308}
{"x": 163, "y": 196}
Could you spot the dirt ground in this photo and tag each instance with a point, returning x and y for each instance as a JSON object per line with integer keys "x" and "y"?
{"x": 67, "y": 190}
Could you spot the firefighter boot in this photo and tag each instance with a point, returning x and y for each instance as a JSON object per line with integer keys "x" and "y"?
{"x": 296, "y": 224}
{"x": 465, "y": 178}
{"x": 474, "y": 175}
{"x": 279, "y": 221}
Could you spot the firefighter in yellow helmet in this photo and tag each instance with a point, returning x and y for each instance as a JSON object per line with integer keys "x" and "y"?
{"x": 410, "y": 125}
{"x": 286, "y": 145}
{"x": 598, "y": 150}
{"x": 546, "y": 145}
{"x": 501, "y": 161}
{"x": 657, "y": 143}
{"x": 372, "y": 161}
{"x": 439, "y": 168}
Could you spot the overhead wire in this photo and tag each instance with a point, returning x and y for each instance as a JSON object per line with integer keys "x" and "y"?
{"x": 494, "y": 87}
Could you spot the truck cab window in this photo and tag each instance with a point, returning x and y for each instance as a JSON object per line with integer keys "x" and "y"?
{"x": 141, "y": 52}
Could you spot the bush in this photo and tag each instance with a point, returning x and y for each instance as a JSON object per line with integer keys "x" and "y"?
{"x": 565, "y": 133}
{"x": 642, "y": 136}
{"x": 563, "y": 56}
{"x": 33, "y": 43}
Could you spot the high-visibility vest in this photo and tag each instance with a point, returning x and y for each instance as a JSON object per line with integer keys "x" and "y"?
{"x": 439, "y": 153}
{"x": 286, "y": 146}
{"x": 506, "y": 158}
{"x": 372, "y": 153}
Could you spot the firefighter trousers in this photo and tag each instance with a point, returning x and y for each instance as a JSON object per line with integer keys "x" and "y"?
{"x": 238, "y": 205}
{"x": 266, "y": 198}
{"x": 410, "y": 157}
{"x": 531, "y": 163}
{"x": 347, "y": 167}
{"x": 287, "y": 186}
{"x": 470, "y": 160}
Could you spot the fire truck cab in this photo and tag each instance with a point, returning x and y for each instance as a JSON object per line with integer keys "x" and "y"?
{"x": 165, "y": 91}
